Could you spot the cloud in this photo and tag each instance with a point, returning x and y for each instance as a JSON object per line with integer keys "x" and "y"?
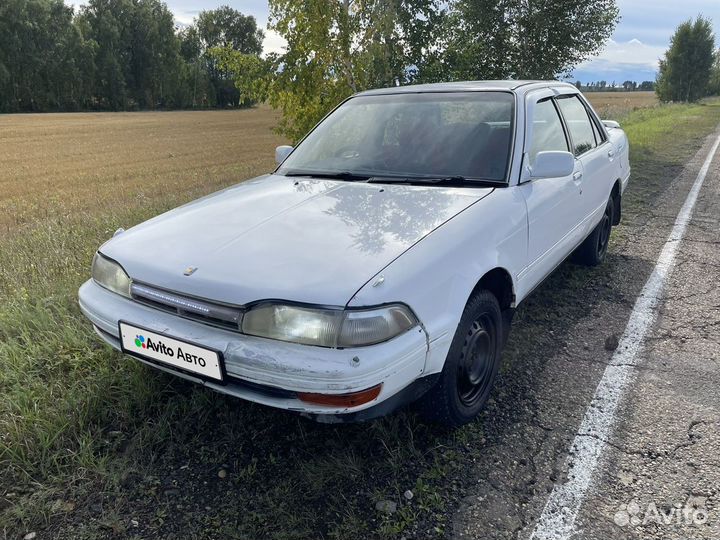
{"x": 274, "y": 42}
{"x": 654, "y": 21}
{"x": 185, "y": 18}
{"x": 631, "y": 60}
{"x": 620, "y": 61}
{"x": 633, "y": 52}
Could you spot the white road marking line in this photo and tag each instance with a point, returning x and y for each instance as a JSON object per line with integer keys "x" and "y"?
{"x": 557, "y": 521}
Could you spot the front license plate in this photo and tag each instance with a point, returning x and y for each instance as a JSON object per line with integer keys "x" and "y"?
{"x": 171, "y": 352}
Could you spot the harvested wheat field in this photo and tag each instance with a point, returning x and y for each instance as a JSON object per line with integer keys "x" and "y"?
{"x": 54, "y": 164}
{"x": 616, "y": 105}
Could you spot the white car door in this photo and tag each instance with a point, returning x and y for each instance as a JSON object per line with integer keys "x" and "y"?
{"x": 552, "y": 203}
{"x": 591, "y": 147}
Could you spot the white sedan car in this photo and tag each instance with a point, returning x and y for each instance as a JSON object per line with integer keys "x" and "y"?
{"x": 381, "y": 262}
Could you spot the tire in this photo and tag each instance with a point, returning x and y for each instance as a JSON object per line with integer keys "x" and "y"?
{"x": 593, "y": 250}
{"x": 462, "y": 390}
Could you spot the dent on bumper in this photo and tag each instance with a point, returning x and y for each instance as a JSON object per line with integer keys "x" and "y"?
{"x": 285, "y": 366}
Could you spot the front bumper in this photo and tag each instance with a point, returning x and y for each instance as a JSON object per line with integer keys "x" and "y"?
{"x": 272, "y": 372}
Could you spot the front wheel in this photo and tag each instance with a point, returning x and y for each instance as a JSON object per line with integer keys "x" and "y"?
{"x": 471, "y": 366}
{"x": 593, "y": 250}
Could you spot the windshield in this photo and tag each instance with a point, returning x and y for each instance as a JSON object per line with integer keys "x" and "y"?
{"x": 453, "y": 134}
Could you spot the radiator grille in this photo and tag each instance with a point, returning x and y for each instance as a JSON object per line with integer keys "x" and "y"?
{"x": 189, "y": 308}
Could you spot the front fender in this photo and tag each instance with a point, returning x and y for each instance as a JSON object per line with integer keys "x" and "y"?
{"x": 436, "y": 276}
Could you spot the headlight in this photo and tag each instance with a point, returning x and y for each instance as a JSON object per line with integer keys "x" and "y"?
{"x": 110, "y": 275}
{"x": 296, "y": 324}
{"x": 367, "y": 327}
{"x": 328, "y": 327}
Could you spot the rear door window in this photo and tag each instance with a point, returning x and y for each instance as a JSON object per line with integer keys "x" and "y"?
{"x": 578, "y": 123}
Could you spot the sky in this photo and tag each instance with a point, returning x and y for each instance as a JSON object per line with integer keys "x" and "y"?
{"x": 642, "y": 37}
{"x": 632, "y": 53}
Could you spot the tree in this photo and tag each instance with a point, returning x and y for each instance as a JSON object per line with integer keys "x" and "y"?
{"x": 137, "y": 58}
{"x": 44, "y": 60}
{"x": 685, "y": 71}
{"x": 395, "y": 40}
{"x": 338, "y": 47}
{"x": 629, "y": 86}
{"x": 225, "y": 28}
{"x": 250, "y": 73}
{"x": 100, "y": 23}
{"x": 114, "y": 54}
{"x": 228, "y": 28}
{"x": 199, "y": 90}
{"x": 714, "y": 84}
{"x": 542, "y": 39}
{"x": 647, "y": 85}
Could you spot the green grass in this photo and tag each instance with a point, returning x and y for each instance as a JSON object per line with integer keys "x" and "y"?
{"x": 662, "y": 139}
{"x": 89, "y": 439}
{"x": 77, "y": 419}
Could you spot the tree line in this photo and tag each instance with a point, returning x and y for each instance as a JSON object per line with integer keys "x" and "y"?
{"x": 604, "y": 86}
{"x": 130, "y": 54}
{"x": 690, "y": 69}
{"x": 116, "y": 55}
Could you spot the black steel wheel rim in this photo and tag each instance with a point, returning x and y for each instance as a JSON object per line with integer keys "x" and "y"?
{"x": 605, "y": 227}
{"x": 477, "y": 361}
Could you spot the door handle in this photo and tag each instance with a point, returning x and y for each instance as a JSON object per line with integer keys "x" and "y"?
{"x": 577, "y": 176}
{"x": 611, "y": 153}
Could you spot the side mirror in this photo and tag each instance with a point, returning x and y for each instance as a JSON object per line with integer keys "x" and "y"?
{"x": 281, "y": 153}
{"x": 553, "y": 165}
{"x": 611, "y": 124}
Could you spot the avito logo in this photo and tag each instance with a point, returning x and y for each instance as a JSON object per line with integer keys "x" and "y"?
{"x": 141, "y": 342}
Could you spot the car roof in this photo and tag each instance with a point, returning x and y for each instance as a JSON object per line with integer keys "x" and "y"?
{"x": 469, "y": 86}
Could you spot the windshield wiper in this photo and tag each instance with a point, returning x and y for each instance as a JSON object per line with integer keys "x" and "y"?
{"x": 453, "y": 181}
{"x": 456, "y": 180}
{"x": 335, "y": 175}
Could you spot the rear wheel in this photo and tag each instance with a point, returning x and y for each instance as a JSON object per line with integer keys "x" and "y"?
{"x": 471, "y": 366}
{"x": 593, "y": 250}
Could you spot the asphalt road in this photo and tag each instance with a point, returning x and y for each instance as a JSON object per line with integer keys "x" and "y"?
{"x": 657, "y": 470}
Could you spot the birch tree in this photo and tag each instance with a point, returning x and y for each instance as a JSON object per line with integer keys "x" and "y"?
{"x": 338, "y": 47}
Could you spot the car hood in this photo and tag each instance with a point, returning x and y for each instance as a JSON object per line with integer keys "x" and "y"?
{"x": 275, "y": 237}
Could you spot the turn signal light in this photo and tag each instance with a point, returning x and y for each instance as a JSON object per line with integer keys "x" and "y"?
{"x": 341, "y": 400}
